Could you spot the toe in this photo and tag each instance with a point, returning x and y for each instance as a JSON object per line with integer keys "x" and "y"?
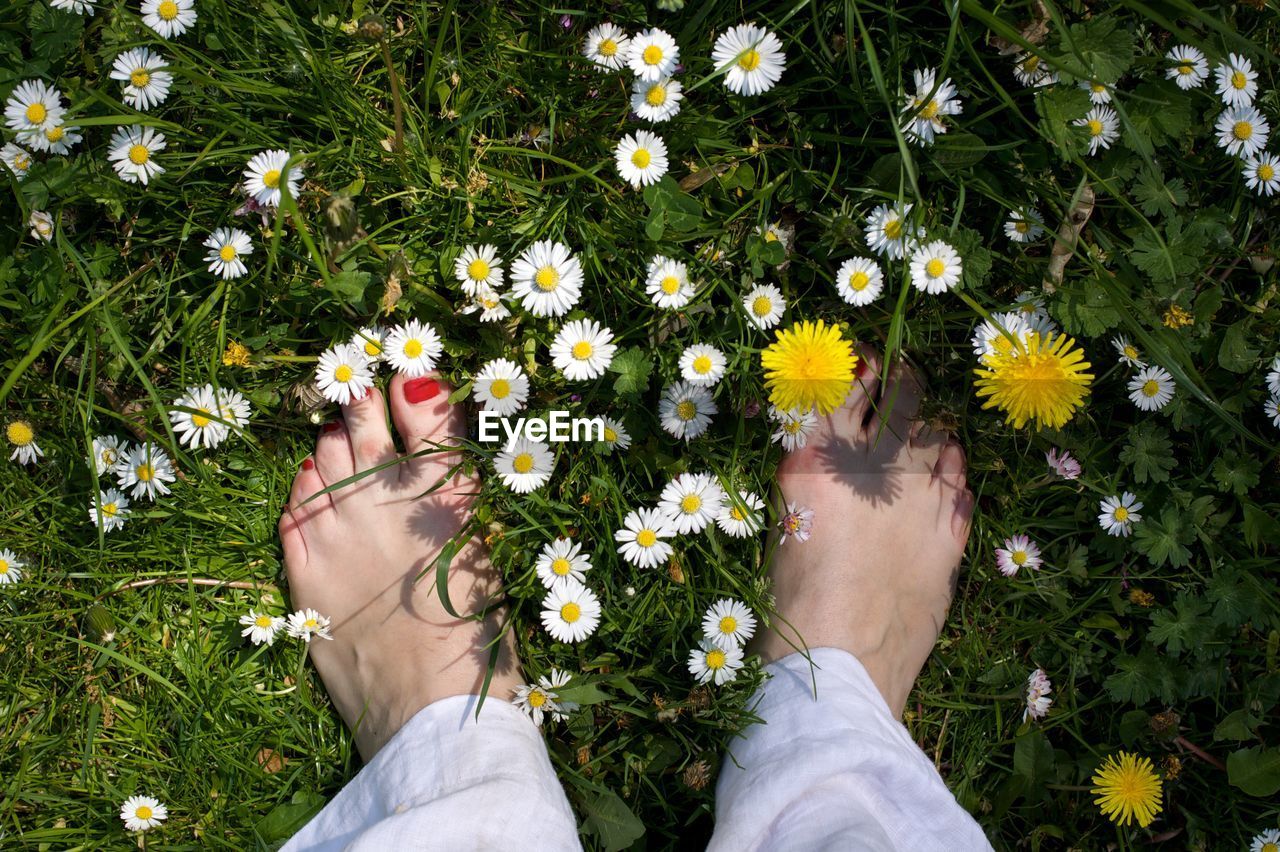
{"x": 366, "y": 420}
{"x": 949, "y": 471}
{"x": 899, "y": 401}
{"x": 334, "y": 459}
{"x": 304, "y": 511}
{"x": 865, "y": 384}
{"x": 927, "y": 446}
{"x": 425, "y": 419}
{"x": 950, "y": 465}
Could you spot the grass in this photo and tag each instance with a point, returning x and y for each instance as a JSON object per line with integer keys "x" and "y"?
{"x": 508, "y": 138}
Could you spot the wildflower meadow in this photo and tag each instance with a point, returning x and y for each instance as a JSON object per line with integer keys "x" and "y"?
{"x": 688, "y": 222}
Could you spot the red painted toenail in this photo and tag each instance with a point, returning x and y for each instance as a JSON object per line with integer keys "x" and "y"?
{"x": 308, "y": 464}
{"x": 331, "y": 426}
{"x": 421, "y": 390}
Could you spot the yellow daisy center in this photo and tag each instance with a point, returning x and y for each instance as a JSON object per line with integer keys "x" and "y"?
{"x": 547, "y": 279}
{"x": 1097, "y": 88}
{"x": 4, "y": 567}
{"x": 143, "y": 812}
{"x": 1150, "y": 387}
{"x": 1270, "y": 847}
{"x": 736, "y": 513}
{"x": 791, "y": 427}
{"x": 20, "y": 433}
{"x": 1266, "y": 172}
{"x": 478, "y": 269}
{"x": 537, "y": 698}
{"x": 523, "y": 463}
{"x": 702, "y": 365}
{"x": 311, "y": 624}
{"x": 930, "y": 110}
{"x": 934, "y": 268}
{"x": 570, "y": 612}
{"x": 715, "y": 659}
{"x": 652, "y": 55}
{"x": 750, "y": 60}
{"x": 610, "y": 435}
{"x": 140, "y": 78}
{"x": 1185, "y": 68}
{"x": 1095, "y": 127}
{"x": 608, "y": 47}
{"x": 582, "y": 350}
{"x": 1021, "y": 227}
{"x": 110, "y": 509}
{"x": 499, "y": 388}
{"x": 271, "y": 179}
{"x": 22, "y": 162}
{"x": 561, "y": 567}
{"x": 412, "y": 347}
{"x": 262, "y": 621}
{"x": 168, "y": 10}
{"x": 762, "y": 306}
{"x": 138, "y": 154}
{"x": 859, "y": 280}
{"x": 109, "y": 458}
{"x": 1239, "y": 80}
{"x": 227, "y": 253}
{"x": 55, "y": 134}
{"x": 656, "y": 96}
{"x": 1019, "y": 557}
{"x": 690, "y": 504}
{"x": 670, "y": 284}
{"x": 1130, "y": 352}
{"x": 343, "y": 373}
{"x": 728, "y": 624}
{"x": 893, "y": 228}
{"x": 646, "y": 538}
{"x": 145, "y": 472}
{"x": 1121, "y": 514}
{"x": 36, "y": 113}
{"x": 372, "y": 348}
{"x": 809, "y": 365}
{"x": 686, "y": 410}
{"x": 1242, "y": 130}
{"x": 641, "y": 158}
{"x": 1031, "y": 64}
{"x": 202, "y": 419}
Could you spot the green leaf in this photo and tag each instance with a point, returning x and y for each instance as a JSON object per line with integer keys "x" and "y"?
{"x": 1260, "y": 528}
{"x": 1162, "y": 541}
{"x": 1182, "y": 628}
{"x": 1154, "y": 194}
{"x": 1149, "y": 452}
{"x": 1033, "y": 757}
{"x": 1059, "y": 106}
{"x": 286, "y": 818}
{"x": 1255, "y": 770}
{"x": 1136, "y": 679}
{"x": 633, "y": 367}
{"x": 1238, "y": 725}
{"x": 1235, "y": 353}
{"x": 610, "y": 820}
{"x": 1178, "y": 257}
{"x": 583, "y": 693}
{"x": 1233, "y": 602}
{"x": 1085, "y": 310}
{"x": 976, "y": 257}
{"x": 1106, "y": 50}
{"x": 1236, "y": 473}
{"x": 349, "y": 285}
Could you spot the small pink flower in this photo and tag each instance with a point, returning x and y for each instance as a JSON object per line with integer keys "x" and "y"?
{"x": 1018, "y": 552}
{"x": 1038, "y": 688}
{"x": 797, "y": 523}
{"x": 1063, "y": 464}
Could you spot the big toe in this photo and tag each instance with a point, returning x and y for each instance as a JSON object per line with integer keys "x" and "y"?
{"x": 427, "y": 423}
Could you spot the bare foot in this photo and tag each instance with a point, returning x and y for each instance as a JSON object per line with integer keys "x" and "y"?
{"x": 892, "y": 518}
{"x": 355, "y": 555}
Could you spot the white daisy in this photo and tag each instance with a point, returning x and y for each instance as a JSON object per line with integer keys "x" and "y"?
{"x": 656, "y": 100}
{"x": 227, "y": 247}
{"x": 685, "y": 410}
{"x": 263, "y": 174}
{"x": 701, "y": 364}
{"x": 1102, "y": 124}
{"x": 261, "y": 627}
{"x": 1151, "y": 389}
{"x": 729, "y": 623}
{"x": 146, "y": 82}
{"x": 764, "y": 305}
{"x": 132, "y": 153}
{"x": 709, "y": 663}
{"x": 776, "y": 232}
{"x": 141, "y": 813}
{"x": 742, "y": 519}
{"x": 343, "y": 374}
{"x": 1262, "y": 173}
{"x": 1273, "y": 377}
{"x": 542, "y": 700}
{"x": 22, "y": 437}
{"x": 1024, "y": 226}
{"x": 107, "y": 452}
{"x": 196, "y": 418}
{"x": 478, "y": 267}
{"x": 923, "y": 111}
{"x": 860, "y": 281}
{"x": 526, "y": 466}
{"x": 306, "y": 624}
{"x": 616, "y": 436}
{"x": 1001, "y": 333}
{"x": 1237, "y": 81}
{"x": 1189, "y": 68}
{"x": 667, "y": 283}
{"x": 58, "y": 139}
{"x": 641, "y": 158}
{"x": 1099, "y": 93}
{"x": 10, "y": 567}
{"x": 797, "y": 523}
{"x": 607, "y": 46}
{"x": 935, "y": 267}
{"x": 583, "y": 350}
{"x": 79, "y": 7}
{"x": 169, "y": 18}
{"x": 1271, "y": 408}
{"x": 145, "y": 469}
{"x": 372, "y": 341}
{"x": 1119, "y": 513}
{"x": 1266, "y": 841}
{"x": 691, "y": 502}
{"x": 794, "y": 427}
{"x": 17, "y": 158}
{"x": 889, "y": 233}
{"x": 234, "y": 409}
{"x": 33, "y": 107}
{"x": 751, "y": 57}
{"x": 1242, "y": 131}
{"x": 501, "y": 386}
{"x": 1019, "y": 551}
{"x": 547, "y": 279}
{"x": 642, "y": 539}
{"x": 1063, "y": 463}
{"x": 560, "y": 559}
{"x": 653, "y": 54}
{"x": 413, "y": 348}
{"x": 1129, "y": 354}
{"x": 1032, "y": 71}
{"x": 41, "y": 225}
{"x": 489, "y": 303}
{"x": 570, "y": 611}
{"x": 1038, "y": 700}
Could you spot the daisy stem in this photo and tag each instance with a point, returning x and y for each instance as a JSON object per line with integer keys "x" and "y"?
{"x": 397, "y": 103}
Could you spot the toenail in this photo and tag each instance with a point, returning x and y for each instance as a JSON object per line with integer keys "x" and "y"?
{"x": 421, "y": 390}
{"x": 331, "y": 426}
{"x": 308, "y": 463}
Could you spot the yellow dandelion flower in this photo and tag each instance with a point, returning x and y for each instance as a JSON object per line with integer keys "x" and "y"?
{"x": 237, "y": 355}
{"x": 1127, "y": 789}
{"x": 1043, "y": 380}
{"x": 809, "y": 365}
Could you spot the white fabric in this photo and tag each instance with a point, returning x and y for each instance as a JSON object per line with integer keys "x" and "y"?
{"x": 834, "y": 772}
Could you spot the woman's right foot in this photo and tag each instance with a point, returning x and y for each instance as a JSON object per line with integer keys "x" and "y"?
{"x": 892, "y": 514}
